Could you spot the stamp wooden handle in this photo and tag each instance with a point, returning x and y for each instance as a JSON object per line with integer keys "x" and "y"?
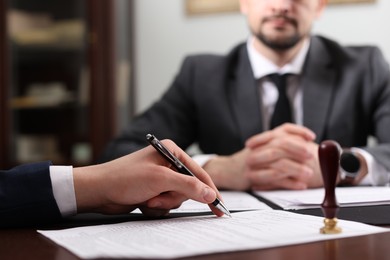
{"x": 329, "y": 157}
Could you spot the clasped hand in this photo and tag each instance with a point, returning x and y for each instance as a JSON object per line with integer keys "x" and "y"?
{"x": 283, "y": 158}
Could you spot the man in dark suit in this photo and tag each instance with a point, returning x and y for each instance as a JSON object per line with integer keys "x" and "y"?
{"x": 39, "y": 193}
{"x": 225, "y": 104}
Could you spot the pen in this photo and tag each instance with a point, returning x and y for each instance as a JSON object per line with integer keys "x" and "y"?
{"x": 180, "y": 167}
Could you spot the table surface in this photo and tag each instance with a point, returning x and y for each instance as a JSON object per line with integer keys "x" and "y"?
{"x": 26, "y": 243}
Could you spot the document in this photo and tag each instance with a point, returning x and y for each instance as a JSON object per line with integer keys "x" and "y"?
{"x": 312, "y": 198}
{"x": 188, "y": 236}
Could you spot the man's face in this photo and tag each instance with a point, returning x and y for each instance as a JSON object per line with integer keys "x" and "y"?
{"x": 281, "y": 24}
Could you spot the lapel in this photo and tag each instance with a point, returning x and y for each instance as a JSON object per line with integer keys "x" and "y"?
{"x": 318, "y": 82}
{"x": 244, "y": 96}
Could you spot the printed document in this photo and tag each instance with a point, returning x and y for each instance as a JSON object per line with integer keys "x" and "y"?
{"x": 312, "y": 198}
{"x": 188, "y": 236}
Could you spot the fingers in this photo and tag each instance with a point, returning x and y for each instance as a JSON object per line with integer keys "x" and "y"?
{"x": 278, "y": 179}
{"x": 285, "y": 157}
{"x": 200, "y": 173}
{"x": 283, "y": 130}
{"x": 288, "y": 184}
{"x": 200, "y": 188}
{"x": 162, "y": 204}
{"x": 284, "y": 174}
{"x": 188, "y": 187}
{"x": 298, "y": 130}
{"x": 202, "y": 176}
{"x": 154, "y": 212}
{"x": 290, "y": 148}
{"x": 166, "y": 200}
{"x": 281, "y": 147}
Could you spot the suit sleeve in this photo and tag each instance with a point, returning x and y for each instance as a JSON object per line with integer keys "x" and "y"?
{"x": 26, "y": 196}
{"x": 381, "y": 106}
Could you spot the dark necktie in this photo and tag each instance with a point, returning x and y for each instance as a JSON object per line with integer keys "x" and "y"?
{"x": 282, "y": 112}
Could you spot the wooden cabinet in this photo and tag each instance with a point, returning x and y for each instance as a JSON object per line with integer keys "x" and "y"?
{"x": 58, "y": 76}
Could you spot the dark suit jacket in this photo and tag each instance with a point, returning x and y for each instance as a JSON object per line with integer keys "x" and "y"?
{"x": 214, "y": 101}
{"x": 26, "y": 196}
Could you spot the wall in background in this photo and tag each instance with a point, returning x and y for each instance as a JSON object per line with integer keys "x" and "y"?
{"x": 164, "y": 34}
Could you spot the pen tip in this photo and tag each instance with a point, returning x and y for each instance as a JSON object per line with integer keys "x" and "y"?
{"x": 227, "y": 212}
{"x": 219, "y": 205}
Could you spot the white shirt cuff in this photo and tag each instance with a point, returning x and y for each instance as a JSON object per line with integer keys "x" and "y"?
{"x": 63, "y": 189}
{"x": 377, "y": 174}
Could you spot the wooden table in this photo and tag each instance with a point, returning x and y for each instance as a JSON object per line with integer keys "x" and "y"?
{"x": 26, "y": 243}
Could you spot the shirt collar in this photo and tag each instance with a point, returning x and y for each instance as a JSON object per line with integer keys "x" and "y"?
{"x": 261, "y": 66}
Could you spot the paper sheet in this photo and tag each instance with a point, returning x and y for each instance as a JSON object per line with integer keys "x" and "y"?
{"x": 312, "y": 198}
{"x": 180, "y": 237}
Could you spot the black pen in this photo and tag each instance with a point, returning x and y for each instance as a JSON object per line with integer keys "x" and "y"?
{"x": 180, "y": 167}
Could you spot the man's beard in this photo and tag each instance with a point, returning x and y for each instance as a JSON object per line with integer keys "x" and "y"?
{"x": 279, "y": 44}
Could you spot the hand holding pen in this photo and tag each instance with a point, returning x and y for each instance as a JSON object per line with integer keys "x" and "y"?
{"x": 181, "y": 168}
